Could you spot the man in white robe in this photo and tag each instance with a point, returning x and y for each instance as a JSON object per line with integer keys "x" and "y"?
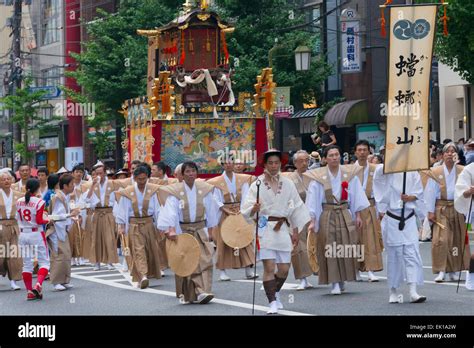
{"x": 190, "y": 207}
{"x": 101, "y": 198}
{"x": 58, "y": 238}
{"x": 449, "y": 227}
{"x": 463, "y": 204}
{"x": 402, "y": 245}
{"x": 137, "y": 215}
{"x": 230, "y": 190}
{"x": 282, "y": 216}
{"x": 333, "y": 213}
{"x": 371, "y": 234}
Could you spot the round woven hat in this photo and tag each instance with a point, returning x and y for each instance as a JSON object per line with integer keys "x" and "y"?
{"x": 311, "y": 244}
{"x": 236, "y": 232}
{"x": 183, "y": 254}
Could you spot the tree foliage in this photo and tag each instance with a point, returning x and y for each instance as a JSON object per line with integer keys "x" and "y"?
{"x": 26, "y": 106}
{"x": 113, "y": 63}
{"x": 457, "y": 49}
{"x": 258, "y": 25}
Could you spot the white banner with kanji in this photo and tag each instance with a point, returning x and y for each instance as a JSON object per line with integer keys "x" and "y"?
{"x": 412, "y": 31}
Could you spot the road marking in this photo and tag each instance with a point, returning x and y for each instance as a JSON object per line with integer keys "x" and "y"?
{"x": 107, "y": 275}
{"x": 173, "y": 294}
{"x": 426, "y": 281}
{"x": 286, "y": 286}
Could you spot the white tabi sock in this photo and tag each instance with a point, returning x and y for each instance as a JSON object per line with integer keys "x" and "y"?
{"x": 413, "y": 292}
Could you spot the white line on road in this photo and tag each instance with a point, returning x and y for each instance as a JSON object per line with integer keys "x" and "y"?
{"x": 286, "y": 286}
{"x": 173, "y": 294}
{"x": 426, "y": 281}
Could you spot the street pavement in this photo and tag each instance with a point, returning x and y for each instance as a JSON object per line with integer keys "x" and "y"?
{"x": 110, "y": 293}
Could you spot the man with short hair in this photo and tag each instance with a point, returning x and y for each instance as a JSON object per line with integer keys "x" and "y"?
{"x": 299, "y": 254}
{"x": 282, "y": 216}
{"x": 9, "y": 230}
{"x": 124, "y": 183}
{"x": 177, "y": 172}
{"x": 43, "y": 179}
{"x": 136, "y": 215}
{"x": 230, "y": 190}
{"x": 76, "y": 232}
{"x": 239, "y": 166}
{"x": 463, "y": 197}
{"x": 101, "y": 197}
{"x": 25, "y": 173}
{"x": 190, "y": 207}
{"x": 57, "y": 234}
{"x": 335, "y": 198}
{"x": 469, "y": 151}
{"x": 158, "y": 173}
{"x": 395, "y": 196}
{"x": 370, "y": 233}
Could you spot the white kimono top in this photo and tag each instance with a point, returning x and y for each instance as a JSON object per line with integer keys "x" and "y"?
{"x": 286, "y": 203}
{"x": 315, "y": 197}
{"x": 61, "y": 228}
{"x": 125, "y": 211}
{"x": 465, "y": 181}
{"x": 232, "y": 186}
{"x": 171, "y": 213}
{"x": 432, "y": 190}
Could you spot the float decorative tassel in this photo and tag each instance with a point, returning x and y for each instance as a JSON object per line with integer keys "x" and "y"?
{"x": 344, "y": 191}
{"x": 445, "y": 19}
{"x": 383, "y": 31}
{"x": 268, "y": 100}
{"x": 165, "y": 104}
{"x": 183, "y": 53}
{"x": 383, "y": 22}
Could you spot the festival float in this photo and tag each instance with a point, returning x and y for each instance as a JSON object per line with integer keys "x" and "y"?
{"x": 190, "y": 112}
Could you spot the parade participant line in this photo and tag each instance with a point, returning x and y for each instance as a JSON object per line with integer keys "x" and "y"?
{"x": 173, "y": 294}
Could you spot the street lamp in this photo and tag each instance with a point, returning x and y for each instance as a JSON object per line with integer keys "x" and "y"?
{"x": 302, "y": 58}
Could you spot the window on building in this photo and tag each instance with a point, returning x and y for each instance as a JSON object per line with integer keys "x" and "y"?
{"x": 51, "y": 76}
{"x": 50, "y": 21}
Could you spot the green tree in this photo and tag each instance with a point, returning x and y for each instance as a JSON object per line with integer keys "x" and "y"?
{"x": 26, "y": 106}
{"x": 113, "y": 64}
{"x": 457, "y": 49}
{"x": 258, "y": 25}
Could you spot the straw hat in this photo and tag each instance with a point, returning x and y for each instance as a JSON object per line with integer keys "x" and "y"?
{"x": 183, "y": 254}
{"x": 236, "y": 232}
{"x": 62, "y": 170}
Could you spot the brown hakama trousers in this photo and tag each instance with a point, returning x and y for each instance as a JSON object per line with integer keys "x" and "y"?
{"x": 103, "y": 237}
{"x": 75, "y": 240}
{"x": 161, "y": 239}
{"x": 144, "y": 249}
{"x": 60, "y": 269}
{"x": 371, "y": 239}
{"x": 87, "y": 235}
{"x": 336, "y": 225}
{"x": 9, "y": 234}
{"x": 299, "y": 256}
{"x": 447, "y": 245}
{"x": 201, "y": 280}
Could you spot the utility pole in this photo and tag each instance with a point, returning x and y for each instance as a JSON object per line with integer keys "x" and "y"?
{"x": 16, "y": 70}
